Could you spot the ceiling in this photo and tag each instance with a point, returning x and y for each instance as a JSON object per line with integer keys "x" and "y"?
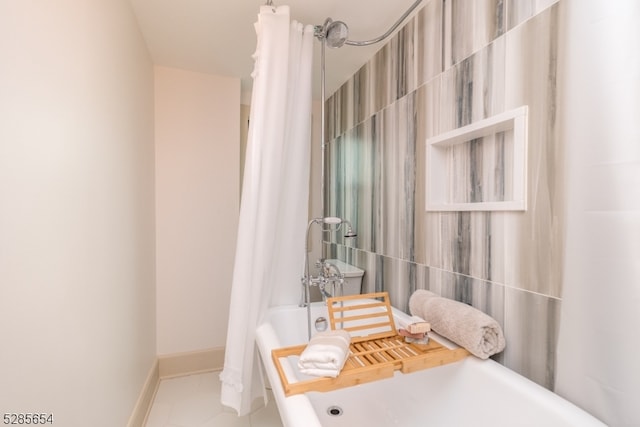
{"x": 218, "y": 37}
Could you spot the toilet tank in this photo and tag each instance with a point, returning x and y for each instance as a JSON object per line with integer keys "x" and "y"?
{"x": 352, "y": 277}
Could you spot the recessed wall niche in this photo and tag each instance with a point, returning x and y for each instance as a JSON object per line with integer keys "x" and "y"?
{"x": 480, "y": 167}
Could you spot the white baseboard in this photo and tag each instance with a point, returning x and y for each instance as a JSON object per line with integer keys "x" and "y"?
{"x": 169, "y": 366}
{"x": 193, "y": 362}
{"x": 145, "y": 400}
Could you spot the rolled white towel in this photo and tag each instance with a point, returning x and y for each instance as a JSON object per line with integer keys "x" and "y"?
{"x": 325, "y": 354}
{"x": 464, "y": 325}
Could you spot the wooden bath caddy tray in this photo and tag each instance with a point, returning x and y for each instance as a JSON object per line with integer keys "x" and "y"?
{"x": 376, "y": 348}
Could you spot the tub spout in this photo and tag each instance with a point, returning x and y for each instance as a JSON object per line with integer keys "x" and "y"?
{"x": 324, "y": 293}
{"x": 329, "y": 282}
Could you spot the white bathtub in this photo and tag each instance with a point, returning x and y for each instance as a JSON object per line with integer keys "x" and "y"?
{"x": 469, "y": 393}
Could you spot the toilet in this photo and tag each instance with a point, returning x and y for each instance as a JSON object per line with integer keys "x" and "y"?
{"x": 352, "y": 277}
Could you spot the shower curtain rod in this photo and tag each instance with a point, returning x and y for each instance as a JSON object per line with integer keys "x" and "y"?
{"x": 389, "y": 31}
{"x": 323, "y": 32}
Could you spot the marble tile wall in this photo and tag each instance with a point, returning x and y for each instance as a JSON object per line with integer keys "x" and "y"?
{"x": 454, "y": 63}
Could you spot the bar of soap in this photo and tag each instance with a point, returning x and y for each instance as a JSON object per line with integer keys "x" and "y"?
{"x": 407, "y": 334}
{"x": 419, "y": 327}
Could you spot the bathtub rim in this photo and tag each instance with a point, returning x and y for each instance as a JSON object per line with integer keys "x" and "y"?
{"x": 294, "y": 408}
{"x": 299, "y": 407}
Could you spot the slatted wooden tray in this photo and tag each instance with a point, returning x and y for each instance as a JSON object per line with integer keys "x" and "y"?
{"x": 376, "y": 348}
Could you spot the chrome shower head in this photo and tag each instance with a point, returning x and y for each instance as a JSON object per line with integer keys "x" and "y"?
{"x": 334, "y": 33}
{"x": 350, "y": 233}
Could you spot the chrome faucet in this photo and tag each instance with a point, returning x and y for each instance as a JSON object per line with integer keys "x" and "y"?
{"x": 329, "y": 280}
{"x": 332, "y": 276}
{"x": 329, "y": 273}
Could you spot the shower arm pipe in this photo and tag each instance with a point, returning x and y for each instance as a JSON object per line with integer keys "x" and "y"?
{"x": 307, "y": 275}
{"x": 389, "y": 31}
{"x": 306, "y": 293}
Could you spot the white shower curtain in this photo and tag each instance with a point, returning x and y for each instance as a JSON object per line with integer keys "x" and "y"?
{"x": 599, "y": 341}
{"x": 274, "y": 208}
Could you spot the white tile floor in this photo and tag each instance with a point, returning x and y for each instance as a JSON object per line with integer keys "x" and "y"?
{"x": 194, "y": 401}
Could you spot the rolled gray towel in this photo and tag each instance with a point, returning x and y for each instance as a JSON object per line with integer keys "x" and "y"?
{"x": 464, "y": 325}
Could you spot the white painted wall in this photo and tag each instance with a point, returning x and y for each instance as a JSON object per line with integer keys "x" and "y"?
{"x": 77, "y": 264}
{"x": 197, "y": 206}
